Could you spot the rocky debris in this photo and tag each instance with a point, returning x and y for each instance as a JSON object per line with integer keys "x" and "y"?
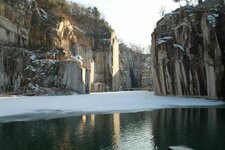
{"x": 188, "y": 53}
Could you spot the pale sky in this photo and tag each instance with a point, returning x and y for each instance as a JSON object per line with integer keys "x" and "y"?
{"x": 133, "y": 20}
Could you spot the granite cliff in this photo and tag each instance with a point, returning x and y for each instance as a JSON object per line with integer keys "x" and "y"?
{"x": 42, "y": 52}
{"x": 188, "y": 51}
{"x": 135, "y": 69}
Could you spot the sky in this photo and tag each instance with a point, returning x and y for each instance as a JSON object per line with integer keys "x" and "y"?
{"x": 133, "y": 20}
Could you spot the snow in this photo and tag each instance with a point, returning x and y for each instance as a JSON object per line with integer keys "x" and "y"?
{"x": 43, "y": 14}
{"x": 33, "y": 86}
{"x": 174, "y": 13}
{"x": 179, "y": 46}
{"x": 108, "y": 102}
{"x": 33, "y": 56}
{"x": 212, "y": 19}
{"x": 162, "y": 40}
{"x": 77, "y": 58}
{"x": 31, "y": 68}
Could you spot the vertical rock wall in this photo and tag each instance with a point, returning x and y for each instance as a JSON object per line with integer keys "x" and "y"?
{"x": 135, "y": 69}
{"x": 15, "y": 22}
{"x": 21, "y": 72}
{"x": 46, "y": 66}
{"x": 188, "y": 53}
{"x": 115, "y": 62}
{"x": 107, "y": 63}
{"x": 131, "y": 68}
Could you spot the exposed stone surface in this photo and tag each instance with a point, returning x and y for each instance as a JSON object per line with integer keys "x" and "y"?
{"x": 39, "y": 53}
{"x": 146, "y": 77}
{"x": 55, "y": 54}
{"x": 103, "y": 62}
{"x": 135, "y": 69}
{"x": 15, "y": 22}
{"x": 23, "y": 73}
{"x": 188, "y": 53}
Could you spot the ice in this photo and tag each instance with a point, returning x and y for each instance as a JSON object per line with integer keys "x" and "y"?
{"x": 108, "y": 102}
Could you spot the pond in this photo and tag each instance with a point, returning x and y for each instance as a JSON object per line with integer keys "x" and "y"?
{"x": 197, "y": 128}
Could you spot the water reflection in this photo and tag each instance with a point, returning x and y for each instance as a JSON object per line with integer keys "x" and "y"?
{"x": 92, "y": 121}
{"x": 84, "y": 118}
{"x": 116, "y": 131}
{"x": 136, "y": 132}
{"x": 196, "y": 128}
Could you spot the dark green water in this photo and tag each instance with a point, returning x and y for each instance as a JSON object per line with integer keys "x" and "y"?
{"x": 200, "y": 129}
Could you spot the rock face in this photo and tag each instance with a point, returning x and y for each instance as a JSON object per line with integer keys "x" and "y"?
{"x": 188, "y": 53}
{"x": 146, "y": 74}
{"x": 103, "y": 63}
{"x": 15, "y": 22}
{"x": 107, "y": 63}
{"x": 22, "y": 72}
{"x": 135, "y": 69}
{"x": 42, "y": 54}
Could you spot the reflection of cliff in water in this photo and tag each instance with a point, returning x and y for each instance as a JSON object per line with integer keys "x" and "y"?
{"x": 197, "y": 128}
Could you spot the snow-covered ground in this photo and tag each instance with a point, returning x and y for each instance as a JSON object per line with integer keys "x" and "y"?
{"x": 42, "y": 107}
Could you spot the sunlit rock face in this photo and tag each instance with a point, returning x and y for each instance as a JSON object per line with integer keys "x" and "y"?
{"x": 188, "y": 53}
{"x": 114, "y": 47}
{"x": 103, "y": 62}
{"x": 37, "y": 52}
{"x": 42, "y": 53}
{"x": 106, "y": 62}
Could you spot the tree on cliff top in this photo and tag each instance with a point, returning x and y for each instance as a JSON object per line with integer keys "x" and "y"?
{"x": 90, "y": 20}
{"x": 56, "y": 7}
